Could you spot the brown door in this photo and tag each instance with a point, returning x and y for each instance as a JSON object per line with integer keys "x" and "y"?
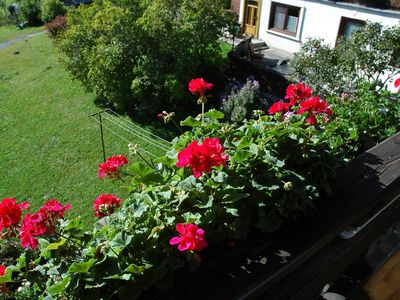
{"x": 251, "y": 17}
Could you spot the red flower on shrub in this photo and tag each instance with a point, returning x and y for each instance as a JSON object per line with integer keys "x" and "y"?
{"x": 191, "y": 238}
{"x": 10, "y": 212}
{"x": 297, "y": 92}
{"x": 279, "y": 107}
{"x": 199, "y": 86}
{"x": 201, "y": 158}
{"x": 111, "y": 166}
{"x": 105, "y": 205}
{"x": 32, "y": 226}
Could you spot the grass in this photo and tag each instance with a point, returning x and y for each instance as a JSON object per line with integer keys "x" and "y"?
{"x": 49, "y": 146}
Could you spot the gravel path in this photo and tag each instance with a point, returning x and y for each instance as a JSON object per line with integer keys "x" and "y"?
{"x": 22, "y": 38}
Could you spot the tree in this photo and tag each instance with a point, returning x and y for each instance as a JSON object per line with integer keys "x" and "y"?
{"x": 141, "y": 54}
{"x": 372, "y": 54}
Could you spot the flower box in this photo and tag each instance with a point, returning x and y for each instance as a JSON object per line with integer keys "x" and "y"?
{"x": 302, "y": 257}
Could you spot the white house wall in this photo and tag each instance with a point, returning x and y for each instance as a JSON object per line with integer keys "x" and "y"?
{"x": 318, "y": 19}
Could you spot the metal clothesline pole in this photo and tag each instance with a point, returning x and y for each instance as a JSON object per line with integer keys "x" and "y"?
{"x": 102, "y": 137}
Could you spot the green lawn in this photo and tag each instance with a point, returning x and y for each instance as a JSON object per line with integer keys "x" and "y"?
{"x": 49, "y": 147}
{"x": 9, "y": 32}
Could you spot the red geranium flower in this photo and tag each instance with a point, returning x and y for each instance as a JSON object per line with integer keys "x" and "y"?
{"x": 54, "y": 209}
{"x": 279, "y": 107}
{"x": 314, "y": 106}
{"x": 3, "y": 286}
{"x": 297, "y": 92}
{"x": 191, "y": 238}
{"x": 199, "y": 86}
{"x": 201, "y": 158}
{"x": 10, "y": 212}
{"x": 2, "y": 270}
{"x": 105, "y": 205}
{"x": 32, "y": 226}
{"x": 111, "y": 166}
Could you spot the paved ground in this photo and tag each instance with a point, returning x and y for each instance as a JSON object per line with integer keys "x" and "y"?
{"x": 271, "y": 58}
{"x": 22, "y": 38}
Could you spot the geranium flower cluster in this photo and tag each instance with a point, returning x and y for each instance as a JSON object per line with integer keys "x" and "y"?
{"x": 301, "y": 101}
{"x": 105, "y": 205}
{"x": 42, "y": 222}
{"x": 199, "y": 86}
{"x": 202, "y": 157}
{"x": 191, "y": 238}
{"x": 10, "y": 214}
{"x": 111, "y": 168}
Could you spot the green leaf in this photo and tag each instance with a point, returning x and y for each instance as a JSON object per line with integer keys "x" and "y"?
{"x": 21, "y": 262}
{"x": 189, "y": 184}
{"x": 60, "y": 286}
{"x": 273, "y": 160}
{"x": 82, "y": 267}
{"x": 220, "y": 177}
{"x": 135, "y": 269}
{"x": 191, "y": 122}
{"x": 245, "y": 142}
{"x": 240, "y": 156}
{"x": 138, "y": 209}
{"x": 55, "y": 246}
{"x": 140, "y": 169}
{"x": 232, "y": 211}
{"x": 191, "y": 217}
{"x": 208, "y": 204}
{"x": 214, "y": 115}
{"x": 155, "y": 230}
{"x": 120, "y": 241}
{"x": 253, "y": 149}
{"x": 74, "y": 224}
{"x": 6, "y": 278}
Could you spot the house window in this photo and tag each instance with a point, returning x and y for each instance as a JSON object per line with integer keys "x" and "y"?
{"x": 347, "y": 26}
{"x": 284, "y": 18}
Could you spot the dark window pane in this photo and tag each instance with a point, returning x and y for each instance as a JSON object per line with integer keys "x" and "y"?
{"x": 279, "y": 18}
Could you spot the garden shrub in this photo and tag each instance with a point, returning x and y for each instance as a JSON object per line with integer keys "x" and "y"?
{"x": 362, "y": 119}
{"x": 141, "y": 54}
{"x": 51, "y": 9}
{"x": 30, "y": 10}
{"x": 56, "y": 27}
{"x": 371, "y": 51}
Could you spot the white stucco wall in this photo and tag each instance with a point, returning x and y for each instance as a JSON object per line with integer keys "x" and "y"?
{"x": 318, "y": 19}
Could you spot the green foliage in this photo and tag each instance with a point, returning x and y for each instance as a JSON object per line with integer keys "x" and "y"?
{"x": 30, "y": 10}
{"x": 240, "y": 104}
{"x": 51, "y": 9}
{"x": 362, "y": 120}
{"x": 371, "y": 51}
{"x": 275, "y": 172}
{"x": 3, "y": 7}
{"x": 142, "y": 54}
